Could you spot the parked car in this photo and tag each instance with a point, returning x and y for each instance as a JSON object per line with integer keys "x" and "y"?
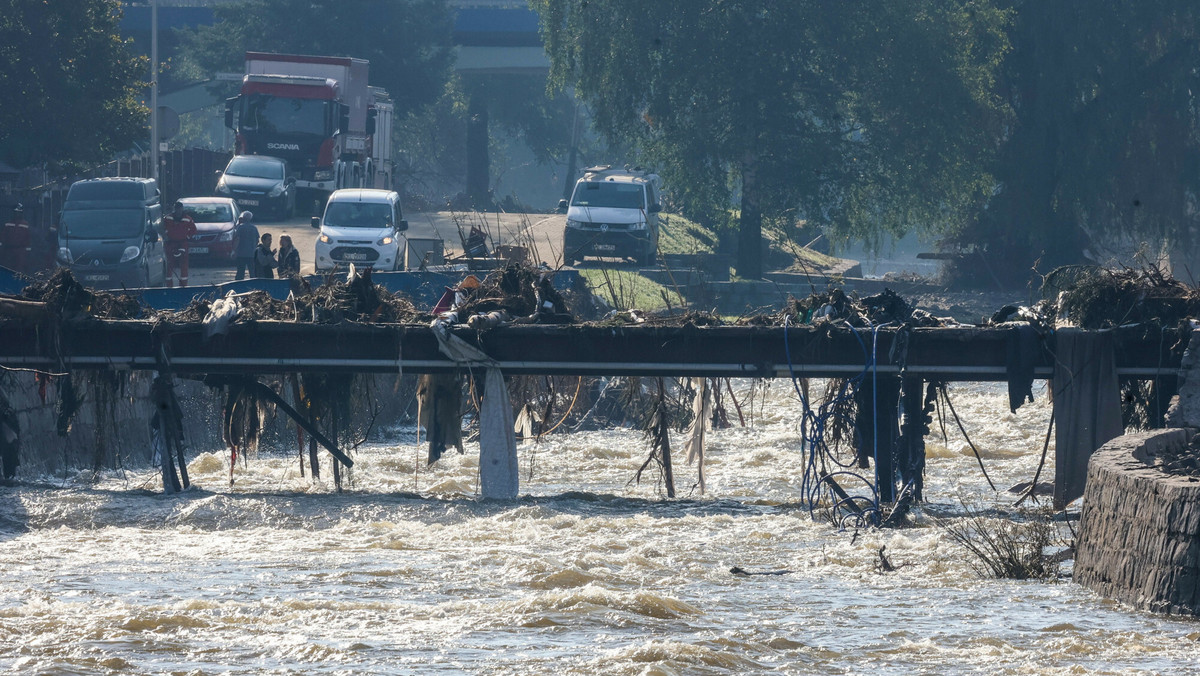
{"x": 215, "y": 218}
{"x": 110, "y": 233}
{"x": 260, "y": 184}
{"x": 360, "y": 226}
{"x": 612, "y": 213}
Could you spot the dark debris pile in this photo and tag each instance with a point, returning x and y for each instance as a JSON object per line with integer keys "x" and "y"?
{"x": 1183, "y": 461}
{"x": 356, "y": 300}
{"x": 69, "y": 299}
{"x": 521, "y": 291}
{"x": 1097, "y": 298}
{"x": 836, "y": 306}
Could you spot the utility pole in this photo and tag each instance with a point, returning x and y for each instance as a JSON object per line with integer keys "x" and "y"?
{"x": 154, "y": 89}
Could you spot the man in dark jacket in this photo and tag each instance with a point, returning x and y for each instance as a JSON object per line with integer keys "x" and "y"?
{"x": 245, "y": 241}
{"x": 264, "y": 258}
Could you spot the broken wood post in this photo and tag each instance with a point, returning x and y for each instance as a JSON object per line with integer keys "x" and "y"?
{"x": 911, "y": 448}
{"x": 877, "y": 402}
{"x": 308, "y": 425}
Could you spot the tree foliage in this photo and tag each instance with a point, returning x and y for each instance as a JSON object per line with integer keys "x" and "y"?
{"x": 863, "y": 117}
{"x": 1106, "y": 140}
{"x": 406, "y": 41}
{"x": 72, "y": 86}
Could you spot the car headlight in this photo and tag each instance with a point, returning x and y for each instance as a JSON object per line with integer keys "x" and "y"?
{"x": 64, "y": 255}
{"x": 222, "y": 189}
{"x": 130, "y": 253}
{"x": 277, "y": 190}
{"x": 574, "y": 224}
{"x": 323, "y": 175}
{"x": 385, "y": 241}
{"x": 226, "y": 236}
{"x": 324, "y": 239}
{"x": 638, "y": 226}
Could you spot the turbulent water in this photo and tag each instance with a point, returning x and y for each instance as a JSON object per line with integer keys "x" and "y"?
{"x": 408, "y": 572}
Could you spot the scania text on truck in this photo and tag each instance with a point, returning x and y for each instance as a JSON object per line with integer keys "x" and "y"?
{"x": 320, "y": 115}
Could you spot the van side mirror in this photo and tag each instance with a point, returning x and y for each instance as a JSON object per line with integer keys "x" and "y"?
{"x": 316, "y": 222}
{"x": 402, "y": 225}
{"x": 562, "y": 206}
{"x": 655, "y": 208}
{"x": 151, "y": 235}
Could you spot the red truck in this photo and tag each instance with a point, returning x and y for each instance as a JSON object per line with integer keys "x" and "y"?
{"x": 320, "y": 115}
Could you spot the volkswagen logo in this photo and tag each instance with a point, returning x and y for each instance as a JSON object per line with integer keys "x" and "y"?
{"x": 604, "y": 227}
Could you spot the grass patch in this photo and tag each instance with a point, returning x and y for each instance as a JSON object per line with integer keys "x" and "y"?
{"x": 678, "y": 235}
{"x": 626, "y": 289}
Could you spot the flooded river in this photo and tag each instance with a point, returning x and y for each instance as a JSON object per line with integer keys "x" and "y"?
{"x": 407, "y": 572}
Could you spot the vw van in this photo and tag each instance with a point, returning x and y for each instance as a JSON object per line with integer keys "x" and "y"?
{"x": 612, "y": 213}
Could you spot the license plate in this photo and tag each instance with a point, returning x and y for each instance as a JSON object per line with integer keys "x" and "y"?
{"x": 355, "y": 257}
{"x": 96, "y": 278}
{"x": 604, "y": 247}
{"x": 252, "y": 203}
{"x": 199, "y": 249}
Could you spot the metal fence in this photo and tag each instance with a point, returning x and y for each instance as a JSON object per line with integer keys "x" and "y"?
{"x": 183, "y": 173}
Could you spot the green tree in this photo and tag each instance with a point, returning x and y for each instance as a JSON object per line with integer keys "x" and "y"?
{"x": 1106, "y": 139}
{"x": 519, "y": 105}
{"x": 864, "y": 117}
{"x": 72, "y": 86}
{"x": 406, "y": 41}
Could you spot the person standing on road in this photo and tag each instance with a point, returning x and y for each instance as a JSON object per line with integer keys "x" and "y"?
{"x": 264, "y": 258}
{"x": 179, "y": 227}
{"x": 15, "y": 240}
{"x": 245, "y": 241}
{"x": 289, "y": 258}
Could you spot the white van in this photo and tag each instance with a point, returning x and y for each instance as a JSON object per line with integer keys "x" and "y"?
{"x": 360, "y": 226}
{"x": 612, "y": 213}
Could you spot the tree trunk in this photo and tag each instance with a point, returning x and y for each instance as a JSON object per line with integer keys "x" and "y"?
{"x": 750, "y": 255}
{"x": 478, "y": 163}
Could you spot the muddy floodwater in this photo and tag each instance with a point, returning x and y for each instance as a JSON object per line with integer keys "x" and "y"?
{"x": 407, "y": 572}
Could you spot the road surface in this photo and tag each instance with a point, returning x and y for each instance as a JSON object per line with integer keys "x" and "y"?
{"x": 541, "y": 233}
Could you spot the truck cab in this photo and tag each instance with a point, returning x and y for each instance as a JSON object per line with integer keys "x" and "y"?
{"x": 612, "y": 213}
{"x": 110, "y": 233}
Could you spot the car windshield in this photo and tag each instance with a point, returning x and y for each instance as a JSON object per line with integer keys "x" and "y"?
{"x": 251, "y": 167}
{"x": 103, "y": 223}
{"x": 608, "y": 194}
{"x": 210, "y": 213}
{"x": 358, "y": 215}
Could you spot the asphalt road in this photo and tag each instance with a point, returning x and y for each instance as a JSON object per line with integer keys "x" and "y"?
{"x": 540, "y": 233}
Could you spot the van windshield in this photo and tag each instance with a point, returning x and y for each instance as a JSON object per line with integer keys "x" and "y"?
{"x": 358, "y": 215}
{"x": 608, "y": 194}
{"x": 103, "y": 223}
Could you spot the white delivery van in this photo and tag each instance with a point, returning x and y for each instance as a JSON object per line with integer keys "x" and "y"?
{"x": 360, "y": 226}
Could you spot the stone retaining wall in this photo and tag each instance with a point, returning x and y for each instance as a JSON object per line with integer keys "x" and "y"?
{"x": 1139, "y": 531}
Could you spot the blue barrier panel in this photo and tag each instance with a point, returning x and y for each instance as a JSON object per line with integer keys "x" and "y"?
{"x": 422, "y": 288}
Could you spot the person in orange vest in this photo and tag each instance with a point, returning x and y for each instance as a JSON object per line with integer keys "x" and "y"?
{"x": 179, "y": 228}
{"x": 15, "y": 240}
